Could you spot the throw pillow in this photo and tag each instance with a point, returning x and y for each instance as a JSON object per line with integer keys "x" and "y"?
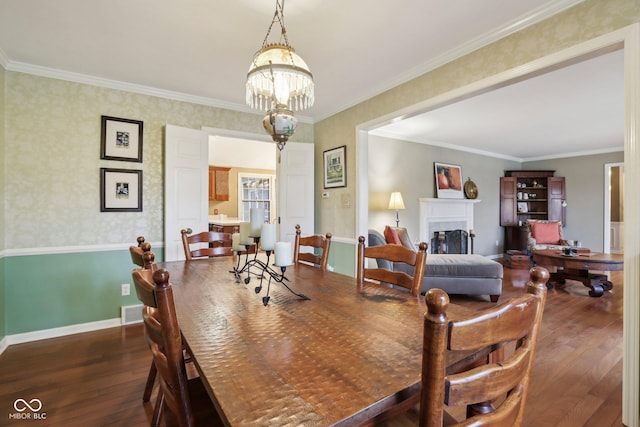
{"x": 391, "y": 236}
{"x": 546, "y": 233}
{"x": 404, "y": 238}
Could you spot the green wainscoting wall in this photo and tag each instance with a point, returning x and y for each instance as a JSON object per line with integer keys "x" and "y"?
{"x": 42, "y": 292}
{"x": 342, "y": 258}
{"x": 49, "y": 291}
{"x": 3, "y": 304}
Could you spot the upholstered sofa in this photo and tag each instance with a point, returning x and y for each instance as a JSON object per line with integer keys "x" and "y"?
{"x": 467, "y": 274}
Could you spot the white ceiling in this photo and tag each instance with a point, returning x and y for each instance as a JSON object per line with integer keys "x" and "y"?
{"x": 200, "y": 51}
{"x": 578, "y": 109}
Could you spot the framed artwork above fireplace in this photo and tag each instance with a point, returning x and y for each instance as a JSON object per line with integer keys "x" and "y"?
{"x": 448, "y": 181}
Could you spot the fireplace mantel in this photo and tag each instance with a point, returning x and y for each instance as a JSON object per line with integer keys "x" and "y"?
{"x": 445, "y": 215}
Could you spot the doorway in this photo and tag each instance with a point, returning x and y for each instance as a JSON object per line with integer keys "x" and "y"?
{"x": 614, "y": 208}
{"x": 627, "y": 37}
{"x": 245, "y": 159}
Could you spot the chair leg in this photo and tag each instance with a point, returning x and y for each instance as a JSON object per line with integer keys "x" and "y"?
{"x": 151, "y": 378}
{"x": 158, "y": 409}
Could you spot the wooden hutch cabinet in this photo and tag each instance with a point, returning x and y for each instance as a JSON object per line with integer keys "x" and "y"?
{"x": 529, "y": 194}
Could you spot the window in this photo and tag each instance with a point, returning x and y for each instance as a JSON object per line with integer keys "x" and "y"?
{"x": 256, "y": 191}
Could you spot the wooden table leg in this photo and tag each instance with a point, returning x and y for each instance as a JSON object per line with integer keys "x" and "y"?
{"x": 597, "y": 283}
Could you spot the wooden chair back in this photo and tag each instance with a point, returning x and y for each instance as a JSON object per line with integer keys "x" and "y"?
{"x": 393, "y": 253}
{"x": 143, "y": 280}
{"x": 165, "y": 340}
{"x": 136, "y": 251}
{"x": 316, "y": 241}
{"x": 215, "y": 244}
{"x": 506, "y": 381}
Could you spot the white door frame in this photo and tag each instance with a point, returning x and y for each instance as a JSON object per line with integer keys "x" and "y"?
{"x": 629, "y": 38}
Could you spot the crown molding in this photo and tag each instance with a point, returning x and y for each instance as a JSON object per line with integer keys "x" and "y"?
{"x": 53, "y": 73}
{"x": 450, "y": 146}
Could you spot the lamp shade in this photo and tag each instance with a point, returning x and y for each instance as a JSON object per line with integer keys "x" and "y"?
{"x": 395, "y": 201}
{"x": 279, "y": 76}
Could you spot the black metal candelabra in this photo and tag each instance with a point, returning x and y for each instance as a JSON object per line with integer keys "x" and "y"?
{"x": 237, "y": 271}
{"x": 263, "y": 268}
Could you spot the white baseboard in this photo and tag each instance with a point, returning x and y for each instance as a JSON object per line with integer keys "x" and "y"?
{"x": 58, "y": 332}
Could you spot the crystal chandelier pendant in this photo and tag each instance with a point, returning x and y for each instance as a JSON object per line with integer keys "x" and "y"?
{"x": 279, "y": 82}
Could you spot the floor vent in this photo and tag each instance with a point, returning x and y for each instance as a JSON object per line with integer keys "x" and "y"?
{"x": 131, "y": 314}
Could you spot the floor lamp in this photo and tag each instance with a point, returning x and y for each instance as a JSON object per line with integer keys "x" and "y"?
{"x": 395, "y": 202}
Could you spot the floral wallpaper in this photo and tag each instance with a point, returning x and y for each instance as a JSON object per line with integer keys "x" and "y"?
{"x": 582, "y": 22}
{"x": 52, "y": 157}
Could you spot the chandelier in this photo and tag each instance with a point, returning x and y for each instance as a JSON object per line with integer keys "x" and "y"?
{"x": 279, "y": 81}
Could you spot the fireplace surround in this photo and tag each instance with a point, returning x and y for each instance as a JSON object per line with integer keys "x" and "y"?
{"x": 445, "y": 215}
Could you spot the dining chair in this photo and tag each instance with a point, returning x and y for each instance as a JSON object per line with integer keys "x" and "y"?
{"x": 392, "y": 253}
{"x": 504, "y": 382}
{"x": 144, "y": 292}
{"x": 182, "y": 400}
{"x": 316, "y": 241}
{"x": 206, "y": 244}
{"x": 140, "y": 258}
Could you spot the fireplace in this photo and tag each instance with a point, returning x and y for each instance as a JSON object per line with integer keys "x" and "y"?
{"x": 449, "y": 242}
{"x": 444, "y": 215}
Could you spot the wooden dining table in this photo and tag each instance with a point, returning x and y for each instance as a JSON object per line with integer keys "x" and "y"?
{"x": 340, "y": 357}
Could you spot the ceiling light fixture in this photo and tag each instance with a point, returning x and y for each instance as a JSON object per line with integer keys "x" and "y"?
{"x": 279, "y": 81}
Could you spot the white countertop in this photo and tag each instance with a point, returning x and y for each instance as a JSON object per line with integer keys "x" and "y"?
{"x": 223, "y": 220}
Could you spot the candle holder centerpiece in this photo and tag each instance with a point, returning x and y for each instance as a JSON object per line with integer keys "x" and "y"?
{"x": 263, "y": 236}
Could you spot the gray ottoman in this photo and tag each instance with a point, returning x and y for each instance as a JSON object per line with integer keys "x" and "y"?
{"x": 463, "y": 274}
{"x": 454, "y": 274}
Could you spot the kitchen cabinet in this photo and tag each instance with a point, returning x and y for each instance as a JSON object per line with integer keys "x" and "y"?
{"x": 218, "y": 183}
{"x": 226, "y": 228}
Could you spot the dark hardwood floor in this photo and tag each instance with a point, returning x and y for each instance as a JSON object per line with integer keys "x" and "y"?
{"x": 97, "y": 378}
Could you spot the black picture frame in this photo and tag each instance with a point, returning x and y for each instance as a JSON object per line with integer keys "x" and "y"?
{"x": 335, "y": 167}
{"x": 121, "y": 139}
{"x": 120, "y": 190}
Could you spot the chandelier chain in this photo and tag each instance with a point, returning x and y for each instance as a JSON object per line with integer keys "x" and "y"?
{"x": 278, "y": 17}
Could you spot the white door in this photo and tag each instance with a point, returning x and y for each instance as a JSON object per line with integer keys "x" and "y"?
{"x": 295, "y": 190}
{"x": 186, "y": 186}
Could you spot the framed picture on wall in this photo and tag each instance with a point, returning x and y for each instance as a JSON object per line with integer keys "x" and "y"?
{"x": 448, "y": 181}
{"x": 335, "y": 167}
{"x": 121, "y": 139}
{"x": 120, "y": 190}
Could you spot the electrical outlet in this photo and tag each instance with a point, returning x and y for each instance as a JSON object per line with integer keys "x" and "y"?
{"x": 126, "y": 289}
{"x": 497, "y": 243}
